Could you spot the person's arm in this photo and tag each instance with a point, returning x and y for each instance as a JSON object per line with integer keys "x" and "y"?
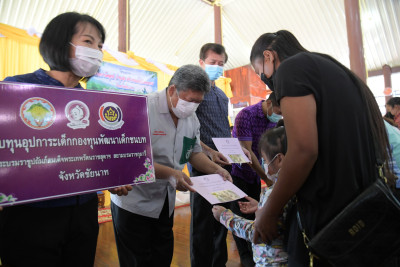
{"x": 214, "y": 155}
{"x": 202, "y": 163}
{"x": 183, "y": 182}
{"x": 302, "y": 136}
{"x": 255, "y": 165}
{"x": 239, "y": 226}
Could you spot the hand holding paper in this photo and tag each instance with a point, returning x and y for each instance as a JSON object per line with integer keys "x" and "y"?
{"x": 215, "y": 189}
{"x": 225, "y": 174}
{"x": 247, "y": 153}
{"x": 231, "y": 149}
{"x": 219, "y": 158}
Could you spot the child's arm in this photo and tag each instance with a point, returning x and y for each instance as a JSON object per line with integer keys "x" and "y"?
{"x": 239, "y": 226}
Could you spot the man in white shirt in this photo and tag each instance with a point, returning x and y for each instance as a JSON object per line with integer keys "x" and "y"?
{"x": 143, "y": 219}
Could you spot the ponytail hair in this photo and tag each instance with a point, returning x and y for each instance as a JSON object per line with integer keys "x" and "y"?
{"x": 283, "y": 42}
{"x": 285, "y": 45}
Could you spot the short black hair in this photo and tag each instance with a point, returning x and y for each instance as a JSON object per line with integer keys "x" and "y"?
{"x": 54, "y": 45}
{"x": 272, "y": 142}
{"x": 393, "y": 101}
{"x": 216, "y": 48}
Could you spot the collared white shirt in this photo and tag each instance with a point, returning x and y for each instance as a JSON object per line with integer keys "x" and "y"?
{"x": 167, "y": 143}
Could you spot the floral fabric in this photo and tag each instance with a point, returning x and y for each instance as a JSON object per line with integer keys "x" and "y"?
{"x": 263, "y": 254}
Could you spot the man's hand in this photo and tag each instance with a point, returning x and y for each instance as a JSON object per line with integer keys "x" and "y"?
{"x": 121, "y": 191}
{"x": 224, "y": 173}
{"x": 265, "y": 227}
{"x": 247, "y": 153}
{"x": 218, "y": 158}
{"x": 249, "y": 207}
{"x": 183, "y": 182}
{"x": 217, "y": 210}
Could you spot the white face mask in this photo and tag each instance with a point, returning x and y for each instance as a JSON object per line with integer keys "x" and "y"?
{"x": 272, "y": 177}
{"x": 87, "y": 61}
{"x": 183, "y": 108}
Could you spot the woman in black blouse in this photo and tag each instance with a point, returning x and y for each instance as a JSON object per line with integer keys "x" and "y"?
{"x": 331, "y": 119}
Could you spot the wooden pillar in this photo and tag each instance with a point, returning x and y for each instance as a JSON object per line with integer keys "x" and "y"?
{"x": 123, "y": 25}
{"x": 217, "y": 24}
{"x": 387, "y": 76}
{"x": 354, "y": 38}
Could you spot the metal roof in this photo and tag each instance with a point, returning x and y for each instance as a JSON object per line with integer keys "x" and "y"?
{"x": 173, "y": 31}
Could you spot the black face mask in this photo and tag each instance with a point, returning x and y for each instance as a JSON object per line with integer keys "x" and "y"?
{"x": 268, "y": 81}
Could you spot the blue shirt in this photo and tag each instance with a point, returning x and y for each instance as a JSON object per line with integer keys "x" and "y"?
{"x": 213, "y": 116}
{"x": 394, "y": 140}
{"x": 40, "y": 77}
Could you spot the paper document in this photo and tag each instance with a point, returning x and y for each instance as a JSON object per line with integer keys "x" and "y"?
{"x": 215, "y": 190}
{"x": 231, "y": 149}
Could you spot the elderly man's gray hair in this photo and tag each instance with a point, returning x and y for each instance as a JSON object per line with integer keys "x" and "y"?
{"x": 191, "y": 77}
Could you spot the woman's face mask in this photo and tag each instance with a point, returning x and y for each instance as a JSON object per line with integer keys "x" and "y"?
{"x": 183, "y": 108}
{"x": 86, "y": 62}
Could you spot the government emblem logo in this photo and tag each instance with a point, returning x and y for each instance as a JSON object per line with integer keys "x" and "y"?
{"x": 110, "y": 116}
{"x": 78, "y": 114}
{"x": 37, "y": 113}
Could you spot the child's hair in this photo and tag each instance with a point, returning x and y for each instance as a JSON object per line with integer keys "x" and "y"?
{"x": 273, "y": 141}
{"x": 393, "y": 101}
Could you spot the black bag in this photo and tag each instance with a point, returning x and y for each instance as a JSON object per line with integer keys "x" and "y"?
{"x": 365, "y": 233}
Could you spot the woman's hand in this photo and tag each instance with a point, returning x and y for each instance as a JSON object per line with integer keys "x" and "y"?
{"x": 217, "y": 210}
{"x": 265, "y": 227}
{"x": 248, "y": 207}
{"x": 122, "y": 190}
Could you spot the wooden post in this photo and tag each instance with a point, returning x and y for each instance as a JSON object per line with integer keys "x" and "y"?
{"x": 123, "y": 25}
{"x": 387, "y": 77}
{"x": 354, "y": 38}
{"x": 217, "y": 24}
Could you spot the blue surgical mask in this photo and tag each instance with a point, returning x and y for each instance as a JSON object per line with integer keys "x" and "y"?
{"x": 214, "y": 71}
{"x": 274, "y": 117}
